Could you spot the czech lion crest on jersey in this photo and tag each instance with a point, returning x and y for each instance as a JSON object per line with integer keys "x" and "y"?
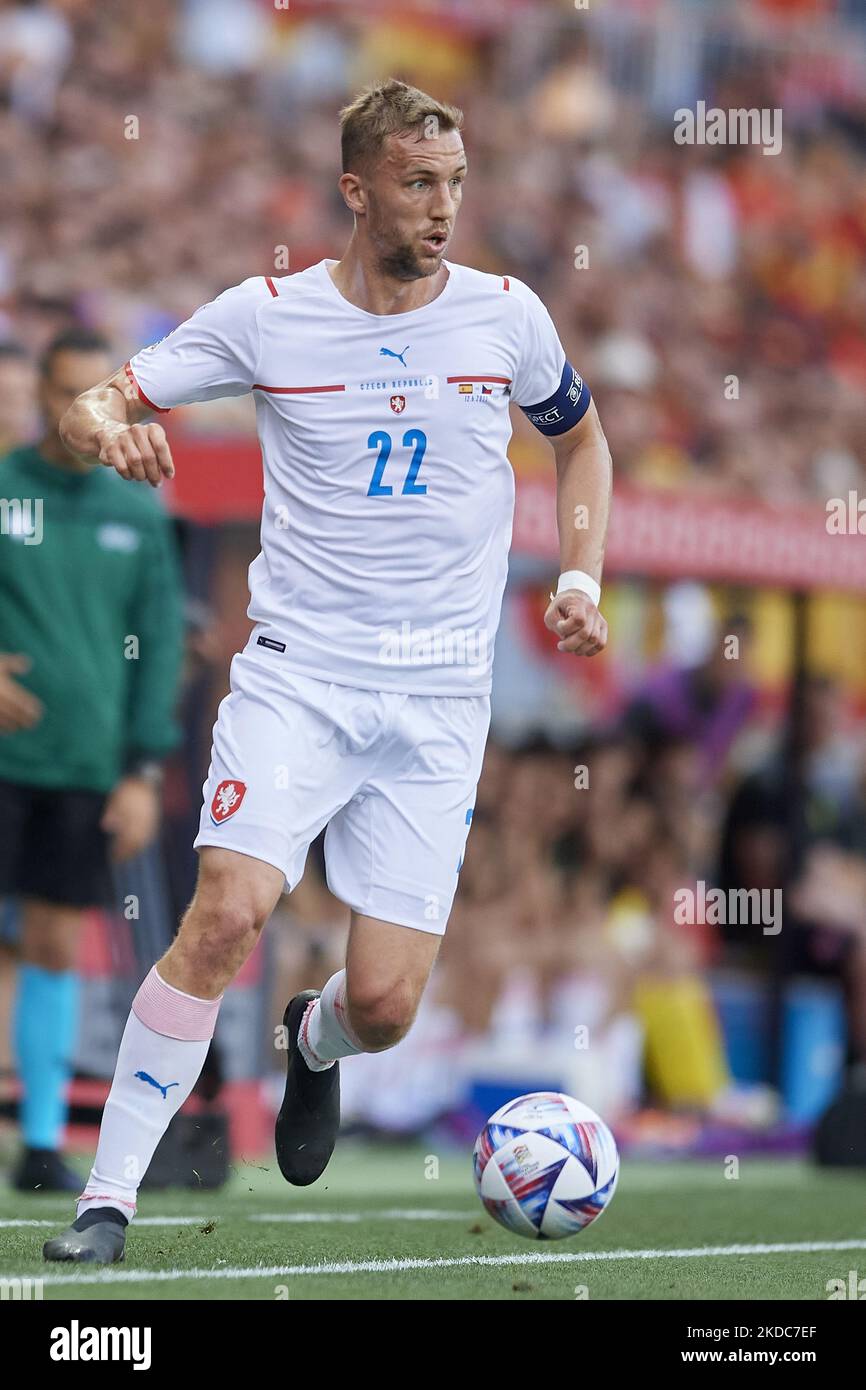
{"x": 398, "y": 404}
{"x": 227, "y": 799}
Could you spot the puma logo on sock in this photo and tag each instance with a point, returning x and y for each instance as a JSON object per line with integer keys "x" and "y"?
{"x": 143, "y": 1076}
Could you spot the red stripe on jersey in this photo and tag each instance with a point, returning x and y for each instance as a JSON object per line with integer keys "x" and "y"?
{"x": 505, "y": 283}
{"x": 271, "y": 286}
{"x": 292, "y": 390}
{"x": 502, "y": 380}
{"x": 160, "y": 409}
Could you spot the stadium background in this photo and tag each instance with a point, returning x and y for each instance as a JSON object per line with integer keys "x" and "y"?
{"x": 151, "y": 156}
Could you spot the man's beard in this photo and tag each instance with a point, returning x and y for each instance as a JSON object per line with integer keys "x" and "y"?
{"x": 401, "y": 262}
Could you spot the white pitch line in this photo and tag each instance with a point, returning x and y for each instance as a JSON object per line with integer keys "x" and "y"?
{"x": 267, "y": 1218}
{"x": 140, "y": 1221}
{"x": 391, "y": 1214}
{"x": 397, "y": 1266}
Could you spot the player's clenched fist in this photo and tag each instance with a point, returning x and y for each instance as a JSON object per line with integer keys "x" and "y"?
{"x": 577, "y": 622}
{"x": 139, "y": 452}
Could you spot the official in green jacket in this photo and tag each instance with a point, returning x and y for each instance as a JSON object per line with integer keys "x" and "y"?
{"x": 91, "y": 632}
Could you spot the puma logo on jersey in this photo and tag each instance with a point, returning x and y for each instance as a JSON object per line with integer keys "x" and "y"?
{"x": 398, "y": 356}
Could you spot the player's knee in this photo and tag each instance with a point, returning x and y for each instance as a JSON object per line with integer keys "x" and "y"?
{"x": 217, "y": 934}
{"x": 381, "y": 1017}
{"x": 228, "y": 923}
{"x": 230, "y": 928}
{"x": 231, "y": 901}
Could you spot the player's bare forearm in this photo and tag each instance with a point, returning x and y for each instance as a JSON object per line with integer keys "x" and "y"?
{"x": 583, "y": 484}
{"x": 583, "y": 488}
{"x": 104, "y": 425}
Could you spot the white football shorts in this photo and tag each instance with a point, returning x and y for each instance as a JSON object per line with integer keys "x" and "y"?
{"x": 391, "y": 775}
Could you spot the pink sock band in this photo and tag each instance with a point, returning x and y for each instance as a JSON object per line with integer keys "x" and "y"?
{"x": 172, "y": 1013}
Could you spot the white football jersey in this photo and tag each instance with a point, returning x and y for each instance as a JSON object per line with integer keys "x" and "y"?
{"x": 388, "y": 491}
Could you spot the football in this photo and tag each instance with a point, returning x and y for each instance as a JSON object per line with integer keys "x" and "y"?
{"x": 545, "y": 1165}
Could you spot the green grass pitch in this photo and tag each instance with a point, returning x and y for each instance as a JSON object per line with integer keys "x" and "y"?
{"x": 404, "y": 1223}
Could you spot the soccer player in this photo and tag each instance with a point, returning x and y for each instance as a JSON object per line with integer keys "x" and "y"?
{"x": 86, "y": 565}
{"x": 382, "y": 385}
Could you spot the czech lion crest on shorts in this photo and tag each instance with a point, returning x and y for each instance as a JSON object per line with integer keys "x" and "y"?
{"x": 227, "y": 799}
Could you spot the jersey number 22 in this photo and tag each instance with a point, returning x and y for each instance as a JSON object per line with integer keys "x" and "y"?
{"x": 381, "y": 440}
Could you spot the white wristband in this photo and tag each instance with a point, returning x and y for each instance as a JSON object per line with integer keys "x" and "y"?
{"x": 576, "y": 579}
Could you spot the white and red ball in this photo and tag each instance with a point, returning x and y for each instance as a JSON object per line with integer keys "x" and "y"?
{"x": 545, "y": 1165}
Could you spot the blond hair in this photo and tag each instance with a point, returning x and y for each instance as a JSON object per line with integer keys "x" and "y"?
{"x": 389, "y": 108}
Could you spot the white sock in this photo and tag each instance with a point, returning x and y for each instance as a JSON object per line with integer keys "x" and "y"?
{"x": 161, "y": 1055}
{"x": 325, "y": 1033}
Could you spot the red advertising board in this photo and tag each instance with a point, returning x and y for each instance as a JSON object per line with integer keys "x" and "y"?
{"x": 668, "y": 535}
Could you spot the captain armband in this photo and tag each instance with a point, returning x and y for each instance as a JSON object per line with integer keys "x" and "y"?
{"x": 561, "y": 411}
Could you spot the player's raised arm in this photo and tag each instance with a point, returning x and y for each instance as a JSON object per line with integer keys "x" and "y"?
{"x": 212, "y": 354}
{"x": 105, "y": 425}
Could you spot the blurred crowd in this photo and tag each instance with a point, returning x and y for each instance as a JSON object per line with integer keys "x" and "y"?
{"x": 714, "y": 297}
{"x": 152, "y": 155}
